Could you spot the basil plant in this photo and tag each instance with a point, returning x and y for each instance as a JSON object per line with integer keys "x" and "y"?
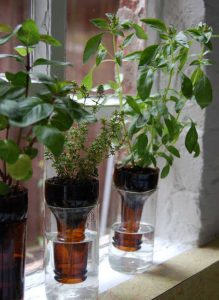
{"x": 153, "y": 122}
{"x": 27, "y": 118}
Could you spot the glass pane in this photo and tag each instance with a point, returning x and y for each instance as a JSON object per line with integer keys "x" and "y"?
{"x": 12, "y": 12}
{"x": 79, "y": 30}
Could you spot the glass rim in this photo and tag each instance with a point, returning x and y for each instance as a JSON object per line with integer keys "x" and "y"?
{"x": 134, "y": 192}
{"x": 72, "y": 208}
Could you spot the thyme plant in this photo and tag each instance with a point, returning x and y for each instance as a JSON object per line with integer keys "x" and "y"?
{"x": 80, "y": 158}
{"x": 153, "y": 122}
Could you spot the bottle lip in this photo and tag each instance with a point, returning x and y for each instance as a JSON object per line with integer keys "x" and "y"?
{"x": 73, "y": 208}
{"x": 148, "y": 192}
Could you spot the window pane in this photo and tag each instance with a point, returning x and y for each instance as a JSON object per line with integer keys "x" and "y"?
{"x": 12, "y": 12}
{"x": 80, "y": 29}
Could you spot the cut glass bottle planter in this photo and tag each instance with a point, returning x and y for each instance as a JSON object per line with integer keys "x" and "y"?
{"x": 132, "y": 237}
{"x": 13, "y": 217}
{"x": 71, "y": 258}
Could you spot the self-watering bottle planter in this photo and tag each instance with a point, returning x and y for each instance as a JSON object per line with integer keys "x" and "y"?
{"x": 132, "y": 237}
{"x": 71, "y": 258}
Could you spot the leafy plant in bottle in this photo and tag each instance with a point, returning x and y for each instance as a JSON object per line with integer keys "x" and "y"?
{"x": 46, "y": 114}
{"x": 153, "y": 119}
{"x": 72, "y": 195}
{"x": 26, "y": 118}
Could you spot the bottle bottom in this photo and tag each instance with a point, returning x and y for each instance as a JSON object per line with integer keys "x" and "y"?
{"x": 136, "y": 253}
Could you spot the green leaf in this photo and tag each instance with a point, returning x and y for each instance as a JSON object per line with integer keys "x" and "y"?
{"x": 102, "y": 52}
{"x": 48, "y": 39}
{"x": 128, "y": 39}
{"x": 9, "y": 151}
{"x": 183, "y": 56}
{"x": 133, "y": 104}
{"x": 196, "y": 75}
{"x": 191, "y": 138}
{"x": 148, "y": 55}
{"x": 155, "y": 23}
{"x": 170, "y": 124}
{"x": 179, "y": 105}
{"x": 36, "y": 114}
{"x": 118, "y": 57}
{"x": 113, "y": 85}
{"x": 139, "y": 31}
{"x": 92, "y": 47}
{"x": 181, "y": 39}
{"x": 197, "y": 150}
{"x": 28, "y": 34}
{"x": 61, "y": 119}
{"x": 9, "y": 108}
{"x": 7, "y": 37}
{"x": 136, "y": 55}
{"x": 31, "y": 152}
{"x": 3, "y": 122}
{"x": 87, "y": 81}
{"x": 18, "y": 58}
{"x": 173, "y": 151}
{"x": 100, "y": 23}
{"x": 23, "y": 50}
{"x": 165, "y": 171}
{"x": 15, "y": 93}
{"x": 51, "y": 137}
{"x": 4, "y": 189}
{"x": 18, "y": 79}
{"x": 21, "y": 168}
{"x": 203, "y": 91}
{"x": 5, "y": 28}
{"x": 43, "y": 61}
{"x": 145, "y": 82}
{"x": 186, "y": 87}
{"x": 142, "y": 141}
{"x": 168, "y": 158}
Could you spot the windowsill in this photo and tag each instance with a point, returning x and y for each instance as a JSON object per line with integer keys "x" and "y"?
{"x": 191, "y": 275}
{"x": 169, "y": 277}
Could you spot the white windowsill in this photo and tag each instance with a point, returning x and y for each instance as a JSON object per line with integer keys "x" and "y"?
{"x": 108, "y": 278}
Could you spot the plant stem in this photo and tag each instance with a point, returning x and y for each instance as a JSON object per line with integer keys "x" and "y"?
{"x": 28, "y": 68}
{"x": 120, "y": 94}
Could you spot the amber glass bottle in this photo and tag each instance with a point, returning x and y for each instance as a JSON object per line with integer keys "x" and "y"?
{"x": 13, "y": 211}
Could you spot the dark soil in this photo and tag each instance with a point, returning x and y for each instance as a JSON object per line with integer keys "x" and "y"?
{"x": 136, "y": 179}
{"x": 13, "y": 207}
{"x": 66, "y": 192}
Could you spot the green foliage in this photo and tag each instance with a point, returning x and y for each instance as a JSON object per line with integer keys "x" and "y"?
{"x": 152, "y": 123}
{"x": 41, "y": 117}
{"x": 80, "y": 159}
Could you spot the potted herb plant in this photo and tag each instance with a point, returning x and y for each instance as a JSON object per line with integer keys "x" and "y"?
{"x": 152, "y": 122}
{"x": 72, "y": 199}
{"x": 25, "y": 119}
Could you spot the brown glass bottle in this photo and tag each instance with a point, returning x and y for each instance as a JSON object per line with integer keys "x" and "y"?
{"x": 12, "y": 245}
{"x": 70, "y": 249}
